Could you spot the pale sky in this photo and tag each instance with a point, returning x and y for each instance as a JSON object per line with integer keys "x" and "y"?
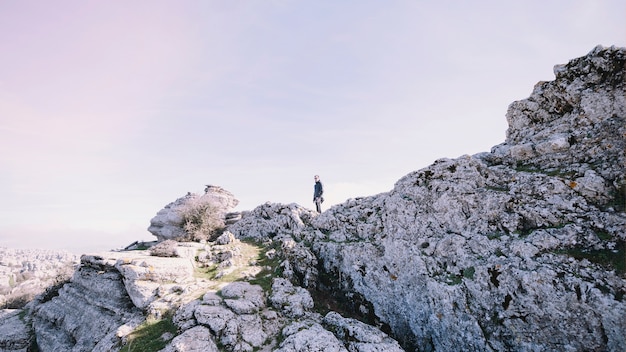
{"x": 109, "y": 110}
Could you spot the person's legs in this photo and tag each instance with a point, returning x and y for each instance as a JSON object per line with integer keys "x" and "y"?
{"x": 318, "y": 205}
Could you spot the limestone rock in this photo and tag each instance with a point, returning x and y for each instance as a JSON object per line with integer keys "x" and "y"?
{"x": 15, "y": 333}
{"x": 243, "y": 298}
{"x": 358, "y": 336}
{"x": 309, "y": 336}
{"x": 517, "y": 249}
{"x": 196, "y": 339}
{"x": 239, "y": 321}
{"x": 502, "y": 251}
{"x": 169, "y": 221}
{"x": 576, "y": 122}
{"x": 86, "y": 312}
{"x": 272, "y": 219}
{"x": 294, "y": 301}
{"x": 111, "y": 292}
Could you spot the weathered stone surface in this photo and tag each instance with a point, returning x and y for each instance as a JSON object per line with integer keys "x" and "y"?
{"x": 243, "y": 298}
{"x": 214, "y": 317}
{"x": 516, "y": 249}
{"x": 15, "y": 332}
{"x": 110, "y": 293}
{"x": 309, "y": 336}
{"x": 271, "y": 219}
{"x": 143, "y": 274}
{"x": 196, "y": 339}
{"x": 358, "y": 336}
{"x": 239, "y": 321}
{"x": 574, "y": 123}
{"x": 293, "y": 301}
{"x": 86, "y": 312}
{"x": 476, "y": 250}
{"x": 169, "y": 221}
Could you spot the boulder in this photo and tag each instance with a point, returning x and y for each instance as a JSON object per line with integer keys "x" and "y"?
{"x": 169, "y": 222}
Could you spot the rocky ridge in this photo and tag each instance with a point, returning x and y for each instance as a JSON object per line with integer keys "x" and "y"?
{"x": 169, "y": 223}
{"x": 521, "y": 248}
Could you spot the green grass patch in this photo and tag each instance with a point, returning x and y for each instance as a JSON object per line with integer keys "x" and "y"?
{"x": 610, "y": 258}
{"x": 494, "y": 235}
{"x": 270, "y": 267}
{"x": 619, "y": 201}
{"x": 148, "y": 336}
{"x": 251, "y": 254}
{"x": 452, "y": 279}
{"x": 603, "y": 235}
{"x": 208, "y": 272}
{"x": 468, "y": 273}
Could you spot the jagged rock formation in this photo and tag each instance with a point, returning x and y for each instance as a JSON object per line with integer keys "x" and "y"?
{"x": 16, "y": 334}
{"x": 518, "y": 249}
{"x": 521, "y": 248}
{"x": 113, "y": 293}
{"x": 169, "y": 221}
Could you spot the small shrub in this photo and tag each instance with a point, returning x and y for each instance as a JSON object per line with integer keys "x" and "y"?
{"x": 201, "y": 220}
{"x": 271, "y": 267}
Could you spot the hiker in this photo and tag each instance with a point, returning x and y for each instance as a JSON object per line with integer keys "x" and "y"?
{"x": 317, "y": 194}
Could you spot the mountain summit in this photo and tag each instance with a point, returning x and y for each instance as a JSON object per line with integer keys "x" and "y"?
{"x": 518, "y": 249}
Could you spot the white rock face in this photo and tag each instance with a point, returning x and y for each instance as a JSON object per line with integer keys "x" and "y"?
{"x": 15, "y": 334}
{"x": 169, "y": 221}
{"x": 518, "y": 249}
{"x": 196, "y": 339}
{"x": 294, "y": 301}
{"x": 108, "y": 297}
{"x": 309, "y": 335}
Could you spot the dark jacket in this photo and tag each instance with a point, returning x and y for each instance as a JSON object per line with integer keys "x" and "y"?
{"x": 319, "y": 190}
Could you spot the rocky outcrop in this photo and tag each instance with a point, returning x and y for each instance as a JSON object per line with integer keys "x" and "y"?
{"x": 16, "y": 334}
{"x": 518, "y": 249}
{"x": 521, "y": 248}
{"x": 169, "y": 223}
{"x": 113, "y": 294}
{"x": 574, "y": 124}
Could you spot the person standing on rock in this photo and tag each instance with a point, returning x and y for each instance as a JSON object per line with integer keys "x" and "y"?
{"x": 318, "y": 191}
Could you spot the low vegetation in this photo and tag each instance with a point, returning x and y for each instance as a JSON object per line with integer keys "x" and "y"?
{"x": 269, "y": 261}
{"x": 201, "y": 220}
{"x": 243, "y": 260}
{"x": 153, "y": 335}
{"x": 613, "y": 259}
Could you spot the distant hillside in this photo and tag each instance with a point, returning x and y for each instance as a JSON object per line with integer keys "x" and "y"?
{"x": 25, "y": 273}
